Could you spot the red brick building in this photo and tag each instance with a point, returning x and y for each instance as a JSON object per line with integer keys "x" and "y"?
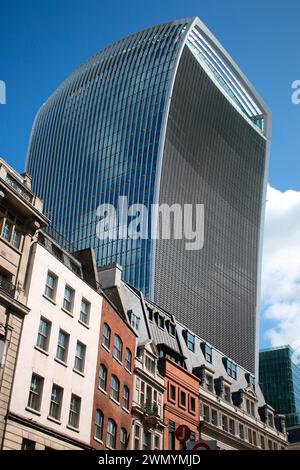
{"x": 181, "y": 403}
{"x": 111, "y": 424}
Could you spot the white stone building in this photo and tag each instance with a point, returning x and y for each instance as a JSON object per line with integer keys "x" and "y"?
{"x": 52, "y": 397}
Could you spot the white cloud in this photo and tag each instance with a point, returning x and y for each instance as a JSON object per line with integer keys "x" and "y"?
{"x": 281, "y": 267}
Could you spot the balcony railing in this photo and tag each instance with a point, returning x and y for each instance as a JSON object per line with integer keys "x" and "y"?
{"x": 7, "y": 286}
{"x": 151, "y": 409}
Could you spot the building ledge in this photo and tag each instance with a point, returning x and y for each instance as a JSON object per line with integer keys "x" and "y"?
{"x": 13, "y": 304}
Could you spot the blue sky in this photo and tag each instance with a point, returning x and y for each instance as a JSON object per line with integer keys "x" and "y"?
{"x": 41, "y": 42}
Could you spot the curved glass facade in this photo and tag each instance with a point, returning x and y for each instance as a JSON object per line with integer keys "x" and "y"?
{"x": 126, "y": 124}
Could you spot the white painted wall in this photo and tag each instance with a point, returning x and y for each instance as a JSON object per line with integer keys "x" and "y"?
{"x": 31, "y": 360}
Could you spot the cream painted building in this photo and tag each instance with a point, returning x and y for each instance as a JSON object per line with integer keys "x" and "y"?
{"x": 52, "y": 397}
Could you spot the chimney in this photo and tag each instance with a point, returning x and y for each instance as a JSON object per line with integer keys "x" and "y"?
{"x": 110, "y": 275}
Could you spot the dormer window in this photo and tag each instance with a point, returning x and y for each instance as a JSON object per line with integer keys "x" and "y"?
{"x": 207, "y": 352}
{"x": 134, "y": 320}
{"x": 172, "y": 329}
{"x": 190, "y": 341}
{"x": 231, "y": 368}
{"x": 161, "y": 321}
{"x": 250, "y": 379}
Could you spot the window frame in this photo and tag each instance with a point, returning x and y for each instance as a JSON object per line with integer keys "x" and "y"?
{"x": 64, "y": 347}
{"x": 74, "y": 412}
{"x": 45, "y": 336}
{"x": 105, "y": 338}
{"x": 57, "y": 404}
{"x": 68, "y": 301}
{"x": 113, "y": 390}
{"x": 99, "y": 426}
{"x": 35, "y": 395}
{"x": 110, "y": 435}
{"x": 117, "y": 348}
{"x": 53, "y": 289}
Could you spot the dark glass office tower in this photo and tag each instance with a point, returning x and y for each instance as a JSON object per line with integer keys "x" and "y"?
{"x": 279, "y": 377}
{"x": 164, "y": 116}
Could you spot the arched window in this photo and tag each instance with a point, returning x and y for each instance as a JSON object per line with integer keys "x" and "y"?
{"x": 98, "y": 431}
{"x": 111, "y": 434}
{"x": 114, "y": 388}
{"x": 123, "y": 439}
{"x": 128, "y": 357}
{"x": 118, "y": 346}
{"x": 106, "y": 336}
{"x": 102, "y": 377}
{"x": 125, "y": 403}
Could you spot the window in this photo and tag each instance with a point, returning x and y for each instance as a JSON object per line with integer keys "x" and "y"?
{"x": 157, "y": 402}
{"x": 209, "y": 383}
{"x": 35, "y": 394}
{"x": 161, "y": 322}
{"x": 137, "y": 437}
{"x": 270, "y": 445}
{"x": 262, "y": 442}
{"x": 102, "y": 377}
{"x": 134, "y": 320}
{"x": 85, "y": 311}
{"x": 128, "y": 357}
{"x": 142, "y": 393}
{"x": 118, "y": 346}
{"x": 147, "y": 440}
{"x": 156, "y": 442}
{"x": 150, "y": 364}
{"x": 16, "y": 238}
{"x": 224, "y": 423}
{"x": 171, "y": 436}
{"x": 27, "y": 444}
{"x": 270, "y": 419}
{"x": 123, "y": 439}
{"x": 98, "y": 430}
{"x": 241, "y": 432}
{"x": 62, "y": 346}
{"x": 190, "y": 341}
{"x": 126, "y": 397}
{"x": 205, "y": 412}
{"x": 254, "y": 438}
{"x": 43, "y": 334}
{"x": 106, "y": 336}
{"x": 252, "y": 406}
{"x": 214, "y": 417}
{"x": 192, "y": 405}
{"x": 208, "y": 353}
{"x": 231, "y": 369}
{"x": 232, "y": 427}
{"x": 172, "y": 329}
{"x": 182, "y": 401}
{"x": 227, "y": 393}
{"x": 79, "y": 356}
{"x": 51, "y": 284}
{"x": 250, "y": 436}
{"x": 111, "y": 434}
{"x": 172, "y": 392}
{"x": 114, "y": 388}
{"x": 56, "y": 402}
{"x": 68, "y": 299}
{"x": 7, "y": 229}
{"x": 74, "y": 414}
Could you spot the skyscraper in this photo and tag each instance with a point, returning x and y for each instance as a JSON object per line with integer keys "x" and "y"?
{"x": 164, "y": 116}
{"x": 279, "y": 377}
